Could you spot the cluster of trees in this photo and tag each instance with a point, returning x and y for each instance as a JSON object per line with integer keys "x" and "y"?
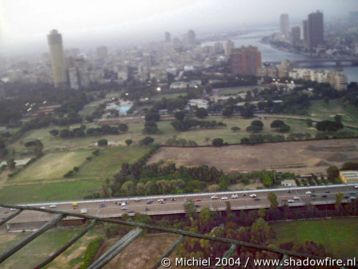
{"x": 261, "y": 138}
{"x": 280, "y": 126}
{"x": 180, "y": 142}
{"x": 256, "y": 126}
{"x": 83, "y": 131}
{"x": 187, "y": 124}
{"x": 329, "y": 126}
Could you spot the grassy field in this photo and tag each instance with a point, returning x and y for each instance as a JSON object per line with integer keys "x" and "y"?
{"x": 42, "y": 192}
{"x": 52, "y": 166}
{"x": 340, "y": 237}
{"x": 327, "y": 110}
{"x": 43, "y": 180}
{"x": 37, "y": 250}
{"x": 109, "y": 162}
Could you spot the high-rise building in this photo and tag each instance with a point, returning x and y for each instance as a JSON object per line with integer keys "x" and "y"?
{"x": 285, "y": 25}
{"x": 191, "y": 38}
{"x": 295, "y": 35}
{"x": 167, "y": 37}
{"x": 102, "y": 52}
{"x": 58, "y": 64}
{"x": 228, "y": 47}
{"x": 245, "y": 61}
{"x": 305, "y": 33}
{"x": 315, "y": 28}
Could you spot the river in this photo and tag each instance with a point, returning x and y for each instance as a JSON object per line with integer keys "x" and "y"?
{"x": 271, "y": 54}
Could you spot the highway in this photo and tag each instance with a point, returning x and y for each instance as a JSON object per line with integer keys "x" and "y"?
{"x": 174, "y": 204}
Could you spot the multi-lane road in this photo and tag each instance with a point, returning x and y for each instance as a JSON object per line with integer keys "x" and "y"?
{"x": 174, "y": 204}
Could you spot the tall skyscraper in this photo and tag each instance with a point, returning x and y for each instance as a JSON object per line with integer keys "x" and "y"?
{"x": 305, "y": 33}
{"x": 191, "y": 38}
{"x": 315, "y": 30}
{"x": 57, "y": 59}
{"x": 285, "y": 25}
{"x": 167, "y": 37}
{"x": 295, "y": 35}
{"x": 245, "y": 61}
{"x": 228, "y": 47}
{"x": 102, "y": 52}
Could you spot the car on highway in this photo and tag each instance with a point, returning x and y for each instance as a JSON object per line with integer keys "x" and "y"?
{"x": 43, "y": 207}
{"x": 161, "y": 201}
{"x": 124, "y": 203}
{"x": 83, "y": 211}
{"x": 12, "y": 209}
{"x": 214, "y": 197}
{"x": 290, "y": 201}
{"x": 149, "y": 202}
{"x": 224, "y": 198}
{"x": 53, "y": 206}
{"x": 234, "y": 196}
{"x": 136, "y": 200}
{"x": 253, "y": 195}
{"x": 197, "y": 200}
{"x": 356, "y": 187}
{"x": 102, "y": 205}
{"x": 296, "y": 198}
{"x": 324, "y": 196}
{"x": 308, "y": 192}
{"x": 173, "y": 199}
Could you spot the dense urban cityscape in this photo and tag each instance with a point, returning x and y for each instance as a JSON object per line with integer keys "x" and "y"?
{"x": 220, "y": 147}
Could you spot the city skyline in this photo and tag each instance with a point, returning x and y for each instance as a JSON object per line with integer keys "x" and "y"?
{"x": 144, "y": 22}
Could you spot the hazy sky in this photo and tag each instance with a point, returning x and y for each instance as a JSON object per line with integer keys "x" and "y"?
{"x": 28, "y": 21}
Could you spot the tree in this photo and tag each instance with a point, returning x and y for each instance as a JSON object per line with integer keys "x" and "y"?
{"x": 261, "y": 231}
{"x": 11, "y": 164}
{"x": 228, "y": 111}
{"x": 102, "y": 143}
{"x": 146, "y": 141}
{"x": 235, "y": 129}
{"x": 201, "y": 113}
{"x": 152, "y": 116}
{"x": 339, "y": 199}
{"x": 123, "y": 127}
{"x": 54, "y": 132}
{"x": 277, "y": 124}
{"x": 190, "y": 211}
{"x": 332, "y": 173}
{"x": 329, "y": 126}
{"x": 218, "y": 142}
{"x": 267, "y": 180}
{"x": 255, "y": 127}
{"x": 129, "y": 142}
{"x": 179, "y": 115}
{"x": 150, "y": 127}
{"x": 272, "y": 197}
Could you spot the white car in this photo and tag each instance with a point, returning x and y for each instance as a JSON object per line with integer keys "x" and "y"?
{"x": 234, "y": 196}
{"x": 123, "y": 203}
{"x": 356, "y": 186}
{"x": 161, "y": 201}
{"x": 290, "y": 201}
{"x": 224, "y": 198}
{"x": 253, "y": 195}
{"x": 43, "y": 207}
{"x": 296, "y": 198}
{"x": 83, "y": 211}
{"x": 52, "y": 206}
{"x": 308, "y": 192}
{"x": 214, "y": 197}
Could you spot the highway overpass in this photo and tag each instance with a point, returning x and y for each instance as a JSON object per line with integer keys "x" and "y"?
{"x": 174, "y": 204}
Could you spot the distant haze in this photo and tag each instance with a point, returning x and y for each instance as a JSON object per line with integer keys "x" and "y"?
{"x": 25, "y": 23}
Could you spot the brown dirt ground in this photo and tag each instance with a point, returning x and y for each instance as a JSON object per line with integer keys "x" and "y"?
{"x": 143, "y": 253}
{"x": 298, "y": 157}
